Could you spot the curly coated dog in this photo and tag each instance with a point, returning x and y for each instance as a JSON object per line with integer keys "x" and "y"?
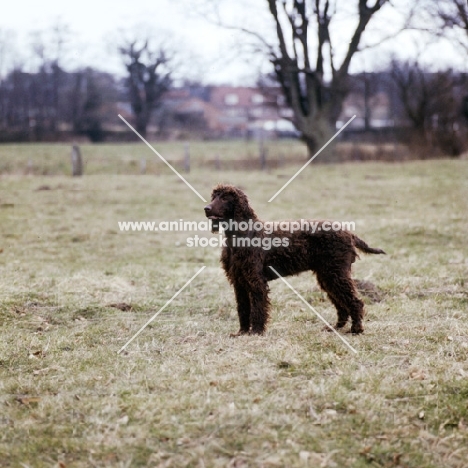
{"x": 252, "y": 246}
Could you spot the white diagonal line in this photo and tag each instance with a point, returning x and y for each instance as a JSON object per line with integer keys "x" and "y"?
{"x": 161, "y": 309}
{"x": 313, "y": 310}
{"x": 312, "y": 158}
{"x": 162, "y": 159}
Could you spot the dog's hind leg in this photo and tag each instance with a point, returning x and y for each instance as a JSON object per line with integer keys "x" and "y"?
{"x": 342, "y": 292}
{"x": 343, "y": 314}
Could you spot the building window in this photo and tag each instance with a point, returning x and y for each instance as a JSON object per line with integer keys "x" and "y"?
{"x": 257, "y": 99}
{"x": 231, "y": 99}
{"x": 258, "y": 112}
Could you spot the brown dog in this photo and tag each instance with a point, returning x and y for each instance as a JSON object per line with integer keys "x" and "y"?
{"x": 253, "y": 246}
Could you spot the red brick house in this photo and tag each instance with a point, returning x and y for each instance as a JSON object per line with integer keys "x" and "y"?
{"x": 229, "y": 111}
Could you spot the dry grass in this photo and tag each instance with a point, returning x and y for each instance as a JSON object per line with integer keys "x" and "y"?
{"x": 184, "y": 394}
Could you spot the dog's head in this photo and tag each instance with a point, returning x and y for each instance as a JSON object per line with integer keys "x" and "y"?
{"x": 228, "y": 202}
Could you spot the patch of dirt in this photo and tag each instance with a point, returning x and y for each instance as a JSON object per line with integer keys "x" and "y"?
{"x": 369, "y": 290}
{"x": 123, "y": 306}
{"x": 43, "y": 187}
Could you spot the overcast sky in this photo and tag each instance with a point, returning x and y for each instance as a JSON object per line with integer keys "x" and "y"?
{"x": 211, "y": 54}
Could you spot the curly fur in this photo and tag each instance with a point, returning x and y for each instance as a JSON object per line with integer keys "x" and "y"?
{"x": 329, "y": 254}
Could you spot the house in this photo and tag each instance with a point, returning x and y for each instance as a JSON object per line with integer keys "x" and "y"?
{"x": 229, "y": 111}
{"x": 243, "y": 111}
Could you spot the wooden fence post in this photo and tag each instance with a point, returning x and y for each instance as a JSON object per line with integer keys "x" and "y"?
{"x": 262, "y": 151}
{"x": 187, "y": 157}
{"x": 142, "y": 166}
{"x": 77, "y": 161}
{"x": 217, "y": 163}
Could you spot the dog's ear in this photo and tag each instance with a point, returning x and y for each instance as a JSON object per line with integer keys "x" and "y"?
{"x": 242, "y": 208}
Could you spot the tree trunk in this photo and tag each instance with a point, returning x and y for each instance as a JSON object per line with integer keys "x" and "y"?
{"x": 141, "y": 123}
{"x": 317, "y": 132}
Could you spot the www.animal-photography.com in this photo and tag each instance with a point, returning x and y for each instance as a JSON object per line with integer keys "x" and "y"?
{"x": 233, "y": 234}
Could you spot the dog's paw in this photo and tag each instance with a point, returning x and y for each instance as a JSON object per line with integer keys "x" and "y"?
{"x": 239, "y": 333}
{"x": 336, "y": 327}
{"x": 257, "y": 332}
{"x": 356, "y": 330}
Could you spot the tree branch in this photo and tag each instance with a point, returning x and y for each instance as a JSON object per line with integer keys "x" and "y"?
{"x": 365, "y": 14}
{"x": 279, "y": 30}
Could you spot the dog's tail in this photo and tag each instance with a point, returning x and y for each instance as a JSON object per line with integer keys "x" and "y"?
{"x": 361, "y": 245}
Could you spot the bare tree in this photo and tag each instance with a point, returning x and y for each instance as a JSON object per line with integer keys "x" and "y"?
{"x": 5, "y": 55}
{"x": 315, "y": 101}
{"x": 453, "y": 19}
{"x": 414, "y": 89}
{"x": 48, "y": 47}
{"x": 432, "y": 102}
{"x": 91, "y": 98}
{"x": 311, "y": 58}
{"x": 149, "y": 77}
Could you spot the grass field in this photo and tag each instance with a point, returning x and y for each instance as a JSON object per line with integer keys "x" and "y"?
{"x": 184, "y": 394}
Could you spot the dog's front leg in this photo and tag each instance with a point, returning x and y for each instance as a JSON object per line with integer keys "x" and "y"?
{"x": 259, "y": 305}
{"x": 243, "y": 308}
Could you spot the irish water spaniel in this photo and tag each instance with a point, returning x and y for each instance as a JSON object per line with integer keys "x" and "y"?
{"x": 252, "y": 246}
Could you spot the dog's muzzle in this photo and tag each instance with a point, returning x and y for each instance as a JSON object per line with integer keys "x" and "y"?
{"x": 215, "y": 220}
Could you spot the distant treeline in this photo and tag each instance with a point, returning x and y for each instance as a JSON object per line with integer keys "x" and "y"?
{"x": 53, "y": 104}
